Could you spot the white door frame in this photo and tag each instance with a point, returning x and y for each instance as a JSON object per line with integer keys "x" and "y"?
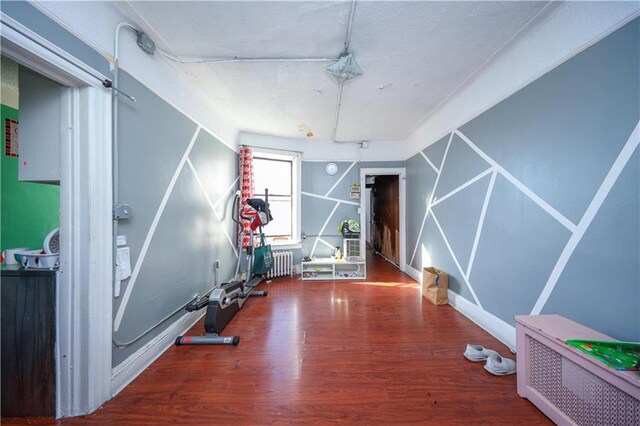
{"x": 402, "y": 180}
{"x": 83, "y": 296}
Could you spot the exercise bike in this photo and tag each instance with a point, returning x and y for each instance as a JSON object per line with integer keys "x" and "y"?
{"x": 225, "y": 301}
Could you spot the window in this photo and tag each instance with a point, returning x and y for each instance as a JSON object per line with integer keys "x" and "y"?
{"x": 279, "y": 173}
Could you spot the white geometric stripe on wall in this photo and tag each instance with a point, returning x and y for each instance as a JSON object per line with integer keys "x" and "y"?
{"x": 435, "y": 169}
{"x": 428, "y": 207}
{"x": 459, "y": 216}
{"x": 324, "y": 226}
{"x": 158, "y": 215}
{"x": 222, "y": 198}
{"x": 577, "y": 231}
{"x": 610, "y": 179}
{"x": 455, "y": 260}
{"x": 337, "y": 202}
{"x": 340, "y": 179}
{"x": 324, "y": 197}
{"x": 150, "y": 232}
{"x": 471, "y": 181}
{"x": 521, "y": 186}
{"x": 483, "y": 213}
{"x": 212, "y": 205}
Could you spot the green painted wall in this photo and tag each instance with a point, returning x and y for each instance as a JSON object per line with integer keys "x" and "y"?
{"x": 29, "y": 211}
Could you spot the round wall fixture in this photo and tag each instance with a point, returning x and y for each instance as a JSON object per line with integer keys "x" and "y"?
{"x": 331, "y": 169}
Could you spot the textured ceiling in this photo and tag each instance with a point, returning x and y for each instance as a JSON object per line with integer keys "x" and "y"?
{"x": 413, "y": 54}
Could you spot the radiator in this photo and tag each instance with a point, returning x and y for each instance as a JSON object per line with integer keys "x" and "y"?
{"x": 282, "y": 264}
{"x": 568, "y": 386}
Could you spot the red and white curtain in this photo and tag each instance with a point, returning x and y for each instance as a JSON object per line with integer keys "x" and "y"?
{"x": 247, "y": 191}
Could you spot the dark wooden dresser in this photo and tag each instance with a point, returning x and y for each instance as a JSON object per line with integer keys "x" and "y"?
{"x": 28, "y": 342}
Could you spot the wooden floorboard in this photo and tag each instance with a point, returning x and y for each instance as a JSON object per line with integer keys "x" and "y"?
{"x": 327, "y": 352}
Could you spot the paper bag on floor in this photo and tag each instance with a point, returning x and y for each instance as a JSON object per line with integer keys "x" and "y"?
{"x": 434, "y": 285}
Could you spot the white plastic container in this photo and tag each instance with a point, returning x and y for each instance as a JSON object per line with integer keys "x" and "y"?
{"x": 34, "y": 260}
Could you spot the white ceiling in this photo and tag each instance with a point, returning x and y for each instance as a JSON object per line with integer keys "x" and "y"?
{"x": 413, "y": 54}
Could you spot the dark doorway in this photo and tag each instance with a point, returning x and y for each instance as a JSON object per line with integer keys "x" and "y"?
{"x": 384, "y": 217}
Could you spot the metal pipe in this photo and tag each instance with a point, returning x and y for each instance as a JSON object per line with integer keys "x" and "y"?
{"x": 235, "y": 59}
{"x": 335, "y": 123}
{"x": 114, "y": 138}
{"x": 150, "y": 329}
{"x": 353, "y": 12}
{"x": 346, "y": 48}
{"x": 114, "y": 105}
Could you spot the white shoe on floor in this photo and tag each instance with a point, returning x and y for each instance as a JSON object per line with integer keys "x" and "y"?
{"x": 477, "y": 353}
{"x": 500, "y": 366}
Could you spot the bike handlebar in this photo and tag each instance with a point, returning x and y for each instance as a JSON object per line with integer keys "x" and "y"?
{"x": 237, "y": 210}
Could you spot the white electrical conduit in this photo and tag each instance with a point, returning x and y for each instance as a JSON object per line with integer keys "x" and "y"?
{"x": 347, "y": 41}
{"x": 114, "y": 112}
{"x": 239, "y": 60}
{"x": 114, "y": 141}
{"x": 335, "y": 122}
{"x": 236, "y": 60}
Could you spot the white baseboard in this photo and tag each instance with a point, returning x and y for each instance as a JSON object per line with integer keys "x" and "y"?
{"x": 129, "y": 369}
{"x": 488, "y": 322}
{"x": 413, "y": 272}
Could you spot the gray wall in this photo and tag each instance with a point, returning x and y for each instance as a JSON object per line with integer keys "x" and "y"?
{"x": 189, "y": 238}
{"x": 316, "y": 211}
{"x": 555, "y": 140}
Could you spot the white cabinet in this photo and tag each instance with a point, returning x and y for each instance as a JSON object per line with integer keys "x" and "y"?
{"x": 44, "y": 121}
{"x": 332, "y": 269}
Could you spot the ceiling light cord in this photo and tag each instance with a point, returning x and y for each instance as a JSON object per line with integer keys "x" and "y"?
{"x": 236, "y": 59}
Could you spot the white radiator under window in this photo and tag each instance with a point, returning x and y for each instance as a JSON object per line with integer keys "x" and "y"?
{"x": 282, "y": 264}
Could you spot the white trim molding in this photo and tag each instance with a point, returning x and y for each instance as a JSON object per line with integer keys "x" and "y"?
{"x": 401, "y": 172}
{"x": 488, "y": 322}
{"x": 83, "y": 312}
{"x": 413, "y": 272}
{"x": 136, "y": 363}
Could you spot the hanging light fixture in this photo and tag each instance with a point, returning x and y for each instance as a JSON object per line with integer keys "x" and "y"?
{"x": 345, "y": 69}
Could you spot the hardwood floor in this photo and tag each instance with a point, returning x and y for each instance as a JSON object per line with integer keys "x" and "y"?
{"x": 327, "y": 352}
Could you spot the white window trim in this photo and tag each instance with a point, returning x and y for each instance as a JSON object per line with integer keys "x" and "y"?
{"x": 296, "y": 241}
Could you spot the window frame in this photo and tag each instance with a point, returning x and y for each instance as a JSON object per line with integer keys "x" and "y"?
{"x": 296, "y": 201}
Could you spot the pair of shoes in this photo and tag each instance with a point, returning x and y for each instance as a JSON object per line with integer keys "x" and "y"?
{"x": 477, "y": 353}
{"x": 499, "y": 366}
{"x": 495, "y": 364}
